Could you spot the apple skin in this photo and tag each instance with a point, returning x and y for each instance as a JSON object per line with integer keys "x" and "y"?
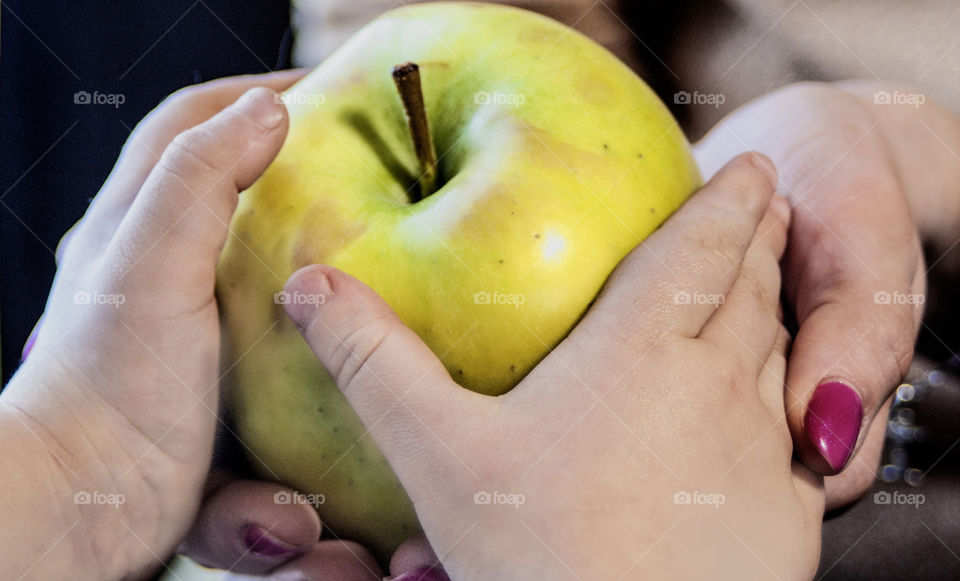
{"x": 539, "y": 201}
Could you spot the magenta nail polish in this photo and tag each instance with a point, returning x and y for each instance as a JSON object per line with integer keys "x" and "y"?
{"x": 833, "y": 421}
{"x": 263, "y": 544}
{"x": 423, "y": 573}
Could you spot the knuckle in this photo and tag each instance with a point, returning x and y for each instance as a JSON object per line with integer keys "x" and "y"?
{"x": 763, "y": 284}
{"x": 191, "y": 153}
{"x": 731, "y": 370}
{"x": 717, "y": 242}
{"x": 898, "y": 338}
{"x": 761, "y": 294}
{"x": 353, "y": 354}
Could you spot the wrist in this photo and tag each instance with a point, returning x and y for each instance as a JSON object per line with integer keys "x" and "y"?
{"x": 82, "y": 517}
{"x": 38, "y": 491}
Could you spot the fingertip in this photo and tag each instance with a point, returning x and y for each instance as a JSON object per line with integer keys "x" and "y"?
{"x": 765, "y": 165}
{"x": 780, "y": 206}
{"x": 262, "y": 106}
{"x": 413, "y": 553}
{"x": 305, "y": 292}
{"x": 746, "y": 182}
{"x": 243, "y": 527}
{"x": 833, "y": 422}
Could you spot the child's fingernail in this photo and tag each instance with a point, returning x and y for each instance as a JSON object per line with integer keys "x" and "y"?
{"x": 261, "y": 105}
{"x": 263, "y": 544}
{"x": 422, "y": 573}
{"x": 306, "y": 291}
{"x": 833, "y": 421}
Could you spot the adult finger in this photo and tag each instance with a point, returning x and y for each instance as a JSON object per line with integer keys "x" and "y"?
{"x": 857, "y": 291}
{"x": 244, "y": 528}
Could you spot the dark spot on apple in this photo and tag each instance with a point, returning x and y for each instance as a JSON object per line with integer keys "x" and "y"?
{"x": 501, "y": 261}
{"x": 319, "y": 409}
{"x": 513, "y": 368}
{"x": 653, "y": 210}
{"x": 605, "y": 146}
{"x": 537, "y": 235}
{"x": 512, "y": 212}
{"x": 640, "y": 155}
{"x": 335, "y": 430}
{"x": 459, "y": 372}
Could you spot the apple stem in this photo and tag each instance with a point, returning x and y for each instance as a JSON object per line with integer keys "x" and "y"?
{"x": 406, "y": 77}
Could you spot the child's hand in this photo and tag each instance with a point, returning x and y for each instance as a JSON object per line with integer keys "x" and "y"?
{"x": 117, "y": 401}
{"x": 583, "y": 470}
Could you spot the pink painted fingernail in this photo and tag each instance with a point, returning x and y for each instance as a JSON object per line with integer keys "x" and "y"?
{"x": 263, "y": 544}
{"x": 833, "y": 421}
{"x": 422, "y": 573}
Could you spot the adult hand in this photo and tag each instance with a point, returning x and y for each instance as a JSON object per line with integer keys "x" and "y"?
{"x": 858, "y": 174}
{"x": 581, "y": 471}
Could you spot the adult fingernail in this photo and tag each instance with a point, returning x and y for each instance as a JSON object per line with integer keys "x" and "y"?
{"x": 261, "y": 105}
{"x": 833, "y": 421}
{"x": 261, "y": 543}
{"x": 422, "y": 573}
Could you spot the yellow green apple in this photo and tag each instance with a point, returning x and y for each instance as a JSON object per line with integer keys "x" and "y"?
{"x": 551, "y": 161}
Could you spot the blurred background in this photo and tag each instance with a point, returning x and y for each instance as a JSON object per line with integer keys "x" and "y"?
{"x": 78, "y": 76}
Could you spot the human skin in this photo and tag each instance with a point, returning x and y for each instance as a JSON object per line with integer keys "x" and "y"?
{"x": 848, "y": 164}
{"x": 916, "y": 141}
{"x": 121, "y": 398}
{"x": 867, "y": 181}
{"x": 647, "y": 397}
